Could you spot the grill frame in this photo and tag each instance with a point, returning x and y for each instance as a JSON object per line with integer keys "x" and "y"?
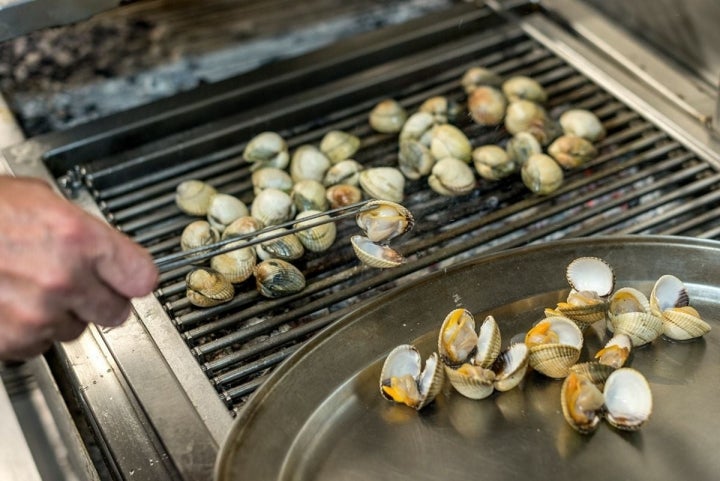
{"x": 154, "y": 335}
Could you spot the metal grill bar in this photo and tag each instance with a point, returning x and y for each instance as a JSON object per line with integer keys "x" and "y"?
{"x": 642, "y": 181}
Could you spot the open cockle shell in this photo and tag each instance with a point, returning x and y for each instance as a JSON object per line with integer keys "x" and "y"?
{"x": 457, "y": 339}
{"x": 594, "y": 371}
{"x": 375, "y": 255}
{"x": 471, "y": 381}
{"x": 616, "y": 351}
{"x": 554, "y": 345}
{"x": 628, "y": 399}
{"x": 629, "y": 313}
{"x": 591, "y": 274}
{"x": 670, "y": 301}
{"x": 510, "y": 367}
{"x": 403, "y": 380}
{"x": 581, "y": 403}
{"x": 382, "y": 220}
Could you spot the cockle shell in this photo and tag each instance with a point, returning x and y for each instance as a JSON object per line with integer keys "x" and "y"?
{"x": 616, "y": 351}
{"x": 382, "y": 220}
{"x": 629, "y": 314}
{"x": 442, "y": 109}
{"x": 197, "y": 234}
{"x": 493, "y": 162}
{"x": 271, "y": 178}
{"x": 242, "y": 226}
{"x": 236, "y": 265}
{"x": 224, "y": 209}
{"x": 388, "y": 116}
{"x": 582, "y": 123}
{"x": 309, "y": 194}
{"x": 207, "y": 288}
{"x": 474, "y": 382}
{"x": 267, "y": 149}
{"x": 384, "y": 183}
{"x": 272, "y": 207}
{"x": 527, "y": 116}
{"x": 581, "y": 403}
{"x": 521, "y": 87}
{"x": 554, "y": 346}
{"x": 194, "y": 196}
{"x": 628, "y": 399}
{"x": 308, "y": 162}
{"x": 510, "y": 366}
{"x": 457, "y": 339}
{"x": 591, "y": 274}
{"x": 414, "y": 159}
{"x": 670, "y": 299}
{"x": 403, "y": 380}
{"x": 344, "y": 172}
{"x": 449, "y": 141}
{"x": 343, "y": 195}
{"x": 338, "y": 145}
{"x": 375, "y": 255}
{"x": 541, "y": 174}
{"x": 475, "y": 77}
{"x": 487, "y": 105}
{"x": 571, "y": 151}
{"x": 596, "y": 372}
{"x": 286, "y": 247}
{"x": 418, "y": 127}
{"x": 276, "y": 278}
{"x": 450, "y": 176}
{"x": 315, "y": 238}
{"x": 521, "y": 146}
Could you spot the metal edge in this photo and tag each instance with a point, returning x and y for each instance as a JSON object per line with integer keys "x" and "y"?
{"x": 627, "y": 87}
{"x": 257, "y": 401}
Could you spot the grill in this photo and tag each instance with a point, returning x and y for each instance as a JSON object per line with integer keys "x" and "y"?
{"x": 647, "y": 179}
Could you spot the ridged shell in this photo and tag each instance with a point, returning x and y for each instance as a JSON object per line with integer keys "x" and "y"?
{"x": 375, "y": 255}
{"x": 315, "y": 238}
{"x": 571, "y": 151}
{"x": 473, "y": 382}
{"x": 197, "y": 234}
{"x": 581, "y": 403}
{"x": 493, "y": 162}
{"x": 387, "y": 117}
{"x": 555, "y": 344}
{"x": 308, "y": 162}
{"x": 683, "y": 324}
{"x": 237, "y": 265}
{"x": 442, "y": 109}
{"x": 224, "y": 209}
{"x": 521, "y": 146}
{"x": 449, "y": 141}
{"x": 541, "y": 174}
{"x": 384, "y": 183}
{"x": 242, "y": 226}
{"x": 487, "y": 105}
{"x": 510, "y": 366}
{"x": 193, "y": 196}
{"x": 272, "y": 207}
{"x": 343, "y": 195}
{"x": 402, "y": 379}
{"x": 594, "y": 371}
{"x": 615, "y": 352}
{"x": 271, "y": 178}
{"x": 382, "y": 221}
{"x": 584, "y": 314}
{"x": 344, "y": 172}
{"x": 338, "y": 145}
{"x": 668, "y": 291}
{"x": 267, "y": 149}
{"x": 457, "y": 339}
{"x": 628, "y": 399}
{"x": 641, "y": 327}
{"x": 527, "y": 116}
{"x": 418, "y": 127}
{"x": 451, "y": 177}
{"x": 488, "y": 343}
{"x": 521, "y": 87}
{"x": 207, "y": 288}
{"x": 414, "y": 159}
{"x": 474, "y": 77}
{"x": 287, "y": 247}
{"x": 277, "y": 278}
{"x": 309, "y": 194}
{"x": 582, "y": 123}
{"x": 591, "y": 274}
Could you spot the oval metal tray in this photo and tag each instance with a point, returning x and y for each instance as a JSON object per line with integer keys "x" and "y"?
{"x": 320, "y": 416}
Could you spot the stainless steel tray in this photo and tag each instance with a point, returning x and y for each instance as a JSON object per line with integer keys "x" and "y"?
{"x": 321, "y": 416}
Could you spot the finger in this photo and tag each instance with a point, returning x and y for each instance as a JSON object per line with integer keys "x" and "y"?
{"x": 69, "y": 329}
{"x": 100, "y": 304}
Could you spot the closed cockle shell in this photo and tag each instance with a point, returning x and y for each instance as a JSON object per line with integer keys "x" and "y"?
{"x": 315, "y": 238}
{"x": 442, "y": 109}
{"x": 625, "y": 300}
{"x": 615, "y": 352}
{"x": 683, "y": 323}
{"x": 541, "y": 174}
{"x": 224, "y": 209}
{"x": 640, "y": 327}
{"x": 449, "y": 141}
{"x": 197, "y": 234}
{"x": 236, "y": 265}
{"x": 596, "y": 372}
{"x": 457, "y": 339}
{"x": 344, "y": 172}
{"x": 571, "y": 151}
{"x": 271, "y": 178}
{"x": 207, "y": 288}
{"x": 475, "y": 77}
{"x": 338, "y": 145}
{"x": 403, "y": 380}
{"x": 418, "y": 127}
{"x": 286, "y": 247}
{"x": 414, "y": 159}
{"x": 309, "y": 194}
{"x": 450, "y": 176}
{"x": 527, "y": 116}
{"x": 471, "y": 381}
{"x": 276, "y": 278}
{"x": 387, "y": 116}
{"x": 242, "y": 226}
{"x": 375, "y": 255}
{"x": 193, "y": 197}
{"x": 492, "y": 162}
{"x": 343, "y": 195}
{"x": 382, "y": 220}
{"x": 487, "y": 105}
{"x": 582, "y": 123}
{"x": 521, "y": 146}
{"x": 521, "y": 87}
{"x": 554, "y": 346}
{"x": 384, "y": 183}
{"x": 308, "y": 162}
{"x": 510, "y": 366}
{"x": 267, "y": 149}
{"x": 272, "y": 207}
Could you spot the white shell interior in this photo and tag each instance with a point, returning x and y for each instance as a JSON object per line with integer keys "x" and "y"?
{"x": 670, "y": 292}
{"x": 591, "y": 274}
{"x": 402, "y": 360}
{"x": 628, "y": 396}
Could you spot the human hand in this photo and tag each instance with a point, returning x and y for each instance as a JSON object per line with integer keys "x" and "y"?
{"x": 60, "y": 269}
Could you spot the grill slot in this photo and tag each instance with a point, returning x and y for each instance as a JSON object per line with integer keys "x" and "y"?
{"x": 643, "y": 181}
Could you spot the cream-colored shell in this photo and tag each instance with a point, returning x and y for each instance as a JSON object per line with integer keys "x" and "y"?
{"x": 277, "y": 278}
{"x": 641, "y": 327}
{"x": 581, "y": 402}
{"x": 315, "y": 238}
{"x": 375, "y": 255}
{"x": 382, "y": 221}
{"x": 207, "y": 288}
{"x": 450, "y": 141}
{"x": 471, "y": 381}
{"x": 384, "y": 183}
{"x": 561, "y": 349}
{"x": 193, "y": 197}
{"x": 338, "y": 145}
{"x": 388, "y": 116}
{"x": 404, "y": 361}
{"x": 236, "y": 265}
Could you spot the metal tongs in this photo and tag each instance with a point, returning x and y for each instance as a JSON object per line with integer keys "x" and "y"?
{"x": 199, "y": 254}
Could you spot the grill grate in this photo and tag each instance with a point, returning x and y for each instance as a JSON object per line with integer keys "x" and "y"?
{"x": 643, "y": 181}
